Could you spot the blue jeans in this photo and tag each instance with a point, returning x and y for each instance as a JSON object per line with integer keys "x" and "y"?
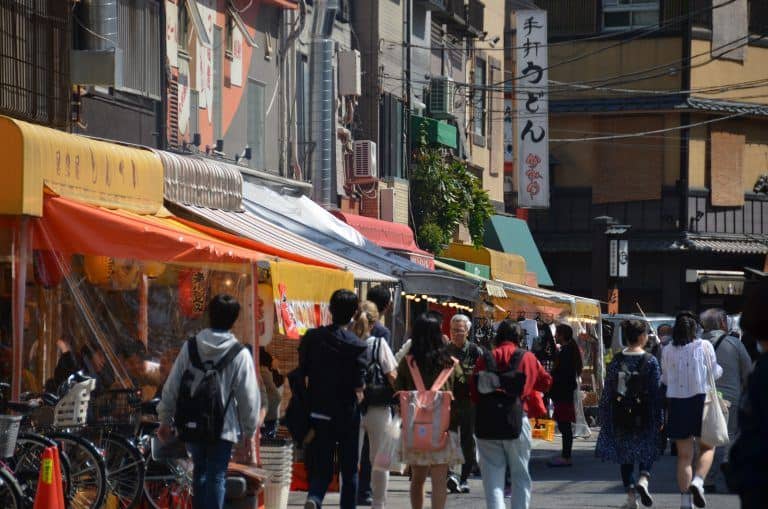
{"x": 628, "y": 473}
{"x": 498, "y": 455}
{"x": 342, "y": 432}
{"x": 209, "y": 476}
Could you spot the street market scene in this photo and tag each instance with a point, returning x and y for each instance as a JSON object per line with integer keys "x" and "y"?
{"x": 383, "y": 253}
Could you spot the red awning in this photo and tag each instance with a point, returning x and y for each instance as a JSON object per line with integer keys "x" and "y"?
{"x": 73, "y": 227}
{"x": 384, "y": 233}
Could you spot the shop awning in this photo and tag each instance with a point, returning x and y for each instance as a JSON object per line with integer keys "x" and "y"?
{"x": 477, "y": 269}
{"x": 436, "y": 132}
{"x": 512, "y": 235}
{"x": 504, "y": 266}
{"x": 395, "y": 236}
{"x": 437, "y": 284}
{"x": 251, "y": 226}
{"x": 492, "y": 288}
{"x": 717, "y": 282}
{"x": 87, "y": 170}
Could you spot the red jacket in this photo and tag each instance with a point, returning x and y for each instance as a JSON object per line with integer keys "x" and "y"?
{"x": 537, "y": 380}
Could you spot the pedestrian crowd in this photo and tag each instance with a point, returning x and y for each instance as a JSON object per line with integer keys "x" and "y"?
{"x": 445, "y": 408}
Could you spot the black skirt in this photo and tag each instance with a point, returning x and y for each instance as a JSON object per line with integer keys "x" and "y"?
{"x": 684, "y": 417}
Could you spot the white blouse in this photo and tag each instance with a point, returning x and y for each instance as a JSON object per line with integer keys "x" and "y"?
{"x": 684, "y": 368}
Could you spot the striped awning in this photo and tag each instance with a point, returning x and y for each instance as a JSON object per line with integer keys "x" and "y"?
{"x": 253, "y": 227}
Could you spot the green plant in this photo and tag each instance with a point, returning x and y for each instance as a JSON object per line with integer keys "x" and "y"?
{"x": 445, "y": 194}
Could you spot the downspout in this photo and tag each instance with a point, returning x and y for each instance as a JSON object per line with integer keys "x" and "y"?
{"x": 288, "y": 61}
{"x": 323, "y": 132}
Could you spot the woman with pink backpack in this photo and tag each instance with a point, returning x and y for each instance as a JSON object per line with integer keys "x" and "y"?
{"x": 425, "y": 379}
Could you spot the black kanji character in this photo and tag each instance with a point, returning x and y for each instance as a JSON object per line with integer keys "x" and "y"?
{"x": 528, "y": 130}
{"x": 533, "y": 68}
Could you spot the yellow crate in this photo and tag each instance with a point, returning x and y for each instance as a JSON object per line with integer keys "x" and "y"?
{"x": 544, "y": 429}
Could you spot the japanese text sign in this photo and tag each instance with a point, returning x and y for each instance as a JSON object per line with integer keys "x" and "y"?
{"x": 532, "y": 104}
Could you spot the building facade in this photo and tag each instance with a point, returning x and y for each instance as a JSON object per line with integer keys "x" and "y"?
{"x": 658, "y": 120}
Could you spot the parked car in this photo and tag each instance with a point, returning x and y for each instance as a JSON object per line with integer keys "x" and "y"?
{"x": 652, "y": 321}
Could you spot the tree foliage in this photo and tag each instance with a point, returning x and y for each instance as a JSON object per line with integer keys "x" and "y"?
{"x": 445, "y": 194}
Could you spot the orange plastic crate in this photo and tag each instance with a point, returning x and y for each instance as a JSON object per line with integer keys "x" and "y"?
{"x": 543, "y": 429}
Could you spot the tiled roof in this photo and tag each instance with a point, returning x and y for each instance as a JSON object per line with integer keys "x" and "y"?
{"x": 714, "y": 105}
{"x": 726, "y": 244}
{"x": 737, "y": 244}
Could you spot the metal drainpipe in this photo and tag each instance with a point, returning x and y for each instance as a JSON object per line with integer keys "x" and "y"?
{"x": 322, "y": 108}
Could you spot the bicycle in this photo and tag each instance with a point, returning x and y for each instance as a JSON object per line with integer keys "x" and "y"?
{"x": 11, "y": 494}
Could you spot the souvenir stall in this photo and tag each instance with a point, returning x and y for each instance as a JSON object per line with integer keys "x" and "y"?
{"x": 96, "y": 274}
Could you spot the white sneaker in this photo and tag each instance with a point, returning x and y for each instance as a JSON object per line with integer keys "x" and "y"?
{"x": 697, "y": 492}
{"x": 642, "y": 490}
{"x": 631, "y": 502}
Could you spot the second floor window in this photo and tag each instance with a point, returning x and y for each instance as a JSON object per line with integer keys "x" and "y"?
{"x": 629, "y": 14}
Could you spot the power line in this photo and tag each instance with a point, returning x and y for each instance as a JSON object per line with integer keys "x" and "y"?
{"x": 645, "y": 133}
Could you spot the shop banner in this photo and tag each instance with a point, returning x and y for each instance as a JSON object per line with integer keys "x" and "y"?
{"x": 236, "y": 73}
{"x": 532, "y": 129}
{"x": 205, "y": 57}
{"x": 509, "y": 131}
{"x": 171, "y": 33}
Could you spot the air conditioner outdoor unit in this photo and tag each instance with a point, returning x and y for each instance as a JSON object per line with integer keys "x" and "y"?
{"x": 349, "y": 73}
{"x": 441, "y": 89}
{"x": 365, "y": 159}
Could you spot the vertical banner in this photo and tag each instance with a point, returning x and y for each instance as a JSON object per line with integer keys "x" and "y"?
{"x": 623, "y": 255}
{"x": 532, "y": 103}
{"x": 205, "y": 57}
{"x": 236, "y": 69}
{"x": 172, "y": 33}
{"x": 509, "y": 131}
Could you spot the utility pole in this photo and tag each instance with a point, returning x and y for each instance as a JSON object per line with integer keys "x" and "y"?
{"x": 408, "y": 92}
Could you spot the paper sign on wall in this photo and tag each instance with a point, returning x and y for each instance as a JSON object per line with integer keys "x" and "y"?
{"x": 236, "y": 72}
{"x": 172, "y": 33}
{"x": 532, "y": 103}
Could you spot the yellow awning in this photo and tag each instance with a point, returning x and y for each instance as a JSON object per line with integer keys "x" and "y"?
{"x": 504, "y": 266}
{"x": 87, "y": 170}
{"x": 587, "y": 309}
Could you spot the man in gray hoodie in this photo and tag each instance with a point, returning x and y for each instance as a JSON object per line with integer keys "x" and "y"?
{"x": 241, "y": 418}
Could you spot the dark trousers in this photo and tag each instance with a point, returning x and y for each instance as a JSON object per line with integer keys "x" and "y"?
{"x": 628, "y": 473}
{"x": 467, "y": 438}
{"x": 566, "y": 430}
{"x": 209, "y": 475}
{"x": 364, "y": 478}
{"x": 339, "y": 434}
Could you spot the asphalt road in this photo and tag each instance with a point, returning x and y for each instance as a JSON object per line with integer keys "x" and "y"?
{"x": 590, "y": 483}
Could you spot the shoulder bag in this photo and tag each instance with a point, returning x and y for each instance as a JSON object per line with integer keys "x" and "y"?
{"x": 714, "y": 425}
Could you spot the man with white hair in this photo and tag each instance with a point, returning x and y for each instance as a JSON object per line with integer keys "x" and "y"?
{"x": 736, "y": 363}
{"x": 467, "y": 353}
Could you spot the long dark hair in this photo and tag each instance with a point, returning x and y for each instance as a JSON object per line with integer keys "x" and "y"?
{"x": 684, "y": 331}
{"x": 427, "y": 346}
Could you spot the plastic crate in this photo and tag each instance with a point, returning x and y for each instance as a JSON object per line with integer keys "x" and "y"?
{"x": 9, "y": 430}
{"x": 72, "y": 408}
{"x": 543, "y": 429}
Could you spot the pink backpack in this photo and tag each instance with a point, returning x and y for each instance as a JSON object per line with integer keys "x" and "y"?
{"x": 426, "y": 413}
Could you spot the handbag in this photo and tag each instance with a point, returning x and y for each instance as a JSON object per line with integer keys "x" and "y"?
{"x": 714, "y": 424}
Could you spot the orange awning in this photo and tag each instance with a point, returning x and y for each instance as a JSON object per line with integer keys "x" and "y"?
{"x": 72, "y": 227}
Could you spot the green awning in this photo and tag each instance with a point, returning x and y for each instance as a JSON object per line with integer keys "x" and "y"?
{"x": 477, "y": 269}
{"x": 511, "y": 235}
{"x": 437, "y": 132}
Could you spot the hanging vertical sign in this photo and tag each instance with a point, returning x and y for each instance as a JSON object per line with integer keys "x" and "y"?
{"x": 205, "y": 57}
{"x": 236, "y": 69}
{"x": 623, "y": 255}
{"x": 613, "y": 258}
{"x": 532, "y": 103}
{"x": 171, "y": 33}
{"x": 509, "y": 131}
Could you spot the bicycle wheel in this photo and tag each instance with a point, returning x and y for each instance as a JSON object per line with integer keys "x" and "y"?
{"x": 168, "y": 484}
{"x": 25, "y": 464}
{"x": 125, "y": 471}
{"x": 11, "y": 496}
{"x": 88, "y": 470}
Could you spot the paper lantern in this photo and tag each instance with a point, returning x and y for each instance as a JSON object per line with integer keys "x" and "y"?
{"x": 98, "y": 269}
{"x": 193, "y": 292}
{"x": 152, "y": 269}
{"x": 125, "y": 274}
{"x": 49, "y": 268}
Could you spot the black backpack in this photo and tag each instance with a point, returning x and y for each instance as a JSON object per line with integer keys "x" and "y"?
{"x": 499, "y": 414}
{"x": 378, "y": 392}
{"x": 631, "y": 410}
{"x": 200, "y": 415}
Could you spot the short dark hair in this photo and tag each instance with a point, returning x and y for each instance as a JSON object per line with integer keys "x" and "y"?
{"x": 223, "y": 311}
{"x": 343, "y": 306}
{"x": 684, "y": 330}
{"x": 380, "y": 296}
{"x": 508, "y": 330}
{"x": 632, "y": 330}
{"x": 565, "y": 330}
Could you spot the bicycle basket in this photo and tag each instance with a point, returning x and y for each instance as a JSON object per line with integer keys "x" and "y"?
{"x": 72, "y": 408}
{"x": 9, "y": 430}
{"x": 116, "y": 408}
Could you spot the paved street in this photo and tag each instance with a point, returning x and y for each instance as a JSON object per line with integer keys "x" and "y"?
{"x": 589, "y": 484}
